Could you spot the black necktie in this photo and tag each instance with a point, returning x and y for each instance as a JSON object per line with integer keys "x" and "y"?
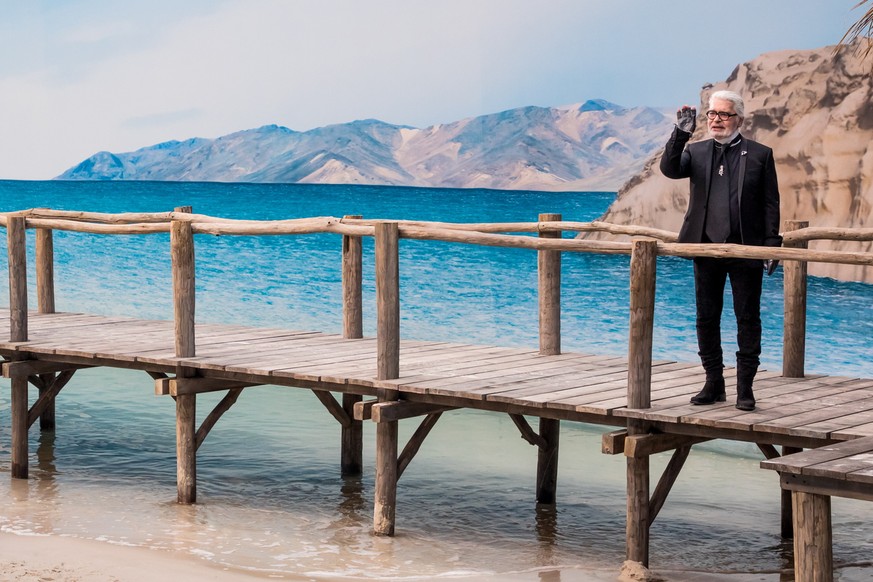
{"x": 718, "y": 213}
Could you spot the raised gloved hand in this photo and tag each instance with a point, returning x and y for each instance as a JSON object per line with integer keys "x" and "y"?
{"x": 686, "y": 119}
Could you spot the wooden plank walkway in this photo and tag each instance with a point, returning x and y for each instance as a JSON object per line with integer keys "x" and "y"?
{"x": 805, "y": 412}
{"x": 843, "y": 469}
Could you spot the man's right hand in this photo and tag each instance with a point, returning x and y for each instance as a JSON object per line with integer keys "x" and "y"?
{"x": 686, "y": 119}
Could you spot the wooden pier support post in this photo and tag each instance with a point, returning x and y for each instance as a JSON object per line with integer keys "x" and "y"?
{"x": 17, "y": 250}
{"x": 45, "y": 300}
{"x": 639, "y": 384}
{"x": 351, "y": 457}
{"x": 549, "y": 279}
{"x": 794, "y": 327}
{"x": 787, "y": 510}
{"x": 387, "y": 368}
{"x": 813, "y": 544}
{"x": 182, "y": 251}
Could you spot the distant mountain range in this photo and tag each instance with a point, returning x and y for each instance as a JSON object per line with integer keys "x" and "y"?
{"x": 594, "y": 145}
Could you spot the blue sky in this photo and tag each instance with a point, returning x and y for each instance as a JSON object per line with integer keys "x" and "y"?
{"x": 80, "y": 76}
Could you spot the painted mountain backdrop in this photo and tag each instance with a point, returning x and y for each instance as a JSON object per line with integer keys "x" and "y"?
{"x": 595, "y": 145}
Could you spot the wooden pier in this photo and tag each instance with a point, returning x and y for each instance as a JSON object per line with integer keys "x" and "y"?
{"x": 386, "y": 379}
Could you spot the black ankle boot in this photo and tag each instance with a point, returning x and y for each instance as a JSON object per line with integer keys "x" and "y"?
{"x": 745, "y": 397}
{"x": 713, "y": 391}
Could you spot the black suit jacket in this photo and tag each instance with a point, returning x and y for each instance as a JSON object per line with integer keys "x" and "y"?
{"x": 758, "y": 189}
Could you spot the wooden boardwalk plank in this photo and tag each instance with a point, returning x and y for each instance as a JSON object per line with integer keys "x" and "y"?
{"x": 492, "y": 377}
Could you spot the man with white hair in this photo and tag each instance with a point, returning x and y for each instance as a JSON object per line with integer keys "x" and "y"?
{"x": 734, "y": 199}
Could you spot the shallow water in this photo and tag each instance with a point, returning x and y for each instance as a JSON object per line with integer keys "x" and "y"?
{"x": 270, "y": 497}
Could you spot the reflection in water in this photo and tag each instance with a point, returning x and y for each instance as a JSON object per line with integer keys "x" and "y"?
{"x": 352, "y": 504}
{"x": 547, "y": 536}
{"x": 785, "y": 551}
{"x": 47, "y": 484}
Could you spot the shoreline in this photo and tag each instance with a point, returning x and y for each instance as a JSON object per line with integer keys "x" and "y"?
{"x": 37, "y": 558}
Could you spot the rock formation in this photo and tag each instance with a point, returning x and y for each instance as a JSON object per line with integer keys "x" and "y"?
{"x": 815, "y": 109}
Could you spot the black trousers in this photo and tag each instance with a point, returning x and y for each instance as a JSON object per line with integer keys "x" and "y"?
{"x": 746, "y": 278}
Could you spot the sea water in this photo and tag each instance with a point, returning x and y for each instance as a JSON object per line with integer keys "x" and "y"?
{"x": 270, "y": 498}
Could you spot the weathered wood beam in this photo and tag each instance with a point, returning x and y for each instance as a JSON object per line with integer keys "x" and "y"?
{"x": 39, "y": 381}
{"x": 665, "y": 483}
{"x": 216, "y": 413}
{"x": 334, "y": 407}
{"x": 549, "y": 292}
{"x": 16, "y": 245}
{"x": 394, "y": 411}
{"x": 527, "y": 431}
{"x": 415, "y": 442}
{"x": 612, "y": 443}
{"x": 156, "y": 375}
{"x": 184, "y": 386}
{"x": 387, "y": 301}
{"x": 48, "y": 395}
{"x": 18, "y": 406}
{"x": 385, "y": 494}
{"x": 638, "y": 446}
{"x": 364, "y": 409}
{"x": 352, "y": 277}
{"x": 547, "y": 461}
{"x": 826, "y": 486}
{"x": 769, "y": 450}
{"x": 794, "y": 277}
{"x": 639, "y": 394}
{"x": 45, "y": 271}
{"x": 813, "y": 538}
{"x": 787, "y": 510}
{"x": 352, "y": 437}
{"x": 35, "y": 367}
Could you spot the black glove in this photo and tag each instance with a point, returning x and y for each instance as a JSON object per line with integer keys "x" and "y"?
{"x": 686, "y": 119}
{"x": 770, "y": 266}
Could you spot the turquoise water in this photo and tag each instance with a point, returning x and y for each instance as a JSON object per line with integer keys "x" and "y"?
{"x": 270, "y": 496}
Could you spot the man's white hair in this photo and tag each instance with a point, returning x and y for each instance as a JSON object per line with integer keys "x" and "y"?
{"x": 735, "y": 98}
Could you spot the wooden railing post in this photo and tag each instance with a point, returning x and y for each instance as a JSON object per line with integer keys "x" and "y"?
{"x": 549, "y": 286}
{"x": 182, "y": 252}
{"x": 387, "y": 301}
{"x": 794, "y": 327}
{"x": 16, "y": 239}
{"x": 45, "y": 300}
{"x": 639, "y": 384}
{"x": 45, "y": 271}
{"x": 549, "y": 278}
{"x": 387, "y": 368}
{"x": 351, "y": 457}
{"x": 642, "y": 320}
{"x": 353, "y": 326}
{"x": 182, "y": 249}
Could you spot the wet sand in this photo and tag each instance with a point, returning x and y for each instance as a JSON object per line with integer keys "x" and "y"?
{"x": 67, "y": 559}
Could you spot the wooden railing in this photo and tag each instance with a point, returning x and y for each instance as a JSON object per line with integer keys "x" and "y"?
{"x": 644, "y": 247}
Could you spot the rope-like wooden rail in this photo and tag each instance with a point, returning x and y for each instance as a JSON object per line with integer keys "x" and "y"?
{"x": 485, "y": 234}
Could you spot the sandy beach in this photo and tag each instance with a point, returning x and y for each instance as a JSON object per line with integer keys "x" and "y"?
{"x": 67, "y": 559}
